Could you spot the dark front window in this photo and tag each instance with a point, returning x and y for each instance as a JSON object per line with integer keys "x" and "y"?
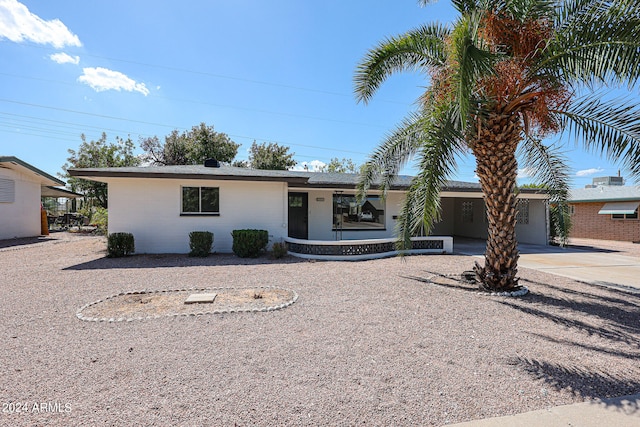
{"x": 200, "y": 200}
{"x": 348, "y": 214}
{"x": 625, "y": 216}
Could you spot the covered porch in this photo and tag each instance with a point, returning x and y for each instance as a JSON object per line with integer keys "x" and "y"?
{"x": 329, "y": 223}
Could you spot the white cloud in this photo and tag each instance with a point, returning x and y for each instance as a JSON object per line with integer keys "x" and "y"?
{"x": 587, "y": 172}
{"x": 64, "y": 58}
{"x": 526, "y": 172}
{"x": 312, "y": 166}
{"x": 18, "y": 24}
{"x": 101, "y": 79}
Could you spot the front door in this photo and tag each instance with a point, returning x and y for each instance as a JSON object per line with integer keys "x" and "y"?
{"x": 299, "y": 215}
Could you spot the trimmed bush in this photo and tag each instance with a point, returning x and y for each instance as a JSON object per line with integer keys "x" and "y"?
{"x": 120, "y": 244}
{"x": 279, "y": 249}
{"x": 249, "y": 243}
{"x": 200, "y": 243}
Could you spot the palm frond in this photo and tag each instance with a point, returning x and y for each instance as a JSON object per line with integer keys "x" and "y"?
{"x": 465, "y": 6}
{"x": 596, "y": 42}
{"x": 550, "y": 168}
{"x": 393, "y": 153}
{"x": 473, "y": 63}
{"x": 437, "y": 161}
{"x": 608, "y": 127}
{"x": 521, "y": 10}
{"x": 417, "y": 49}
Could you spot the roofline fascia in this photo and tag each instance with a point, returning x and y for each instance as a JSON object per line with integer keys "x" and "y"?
{"x": 13, "y": 159}
{"x": 79, "y": 173}
{"x": 617, "y": 199}
{"x": 64, "y": 190}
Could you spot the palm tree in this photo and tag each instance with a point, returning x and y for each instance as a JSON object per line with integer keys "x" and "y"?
{"x": 502, "y": 79}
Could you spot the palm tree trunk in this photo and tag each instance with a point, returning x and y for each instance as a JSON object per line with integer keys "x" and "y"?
{"x": 494, "y": 147}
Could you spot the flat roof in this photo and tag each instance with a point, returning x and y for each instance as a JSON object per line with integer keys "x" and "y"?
{"x": 605, "y": 193}
{"x": 298, "y": 179}
{"x": 15, "y": 163}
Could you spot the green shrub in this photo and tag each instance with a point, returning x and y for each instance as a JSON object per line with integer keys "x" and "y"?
{"x": 279, "y": 249}
{"x": 200, "y": 243}
{"x": 120, "y": 244}
{"x": 100, "y": 219}
{"x": 249, "y": 243}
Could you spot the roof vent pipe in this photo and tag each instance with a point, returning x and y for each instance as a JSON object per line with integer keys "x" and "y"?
{"x": 211, "y": 163}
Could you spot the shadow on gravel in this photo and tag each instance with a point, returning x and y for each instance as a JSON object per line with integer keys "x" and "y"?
{"x": 443, "y": 281}
{"x": 605, "y": 316}
{"x": 26, "y": 241}
{"x": 580, "y": 382}
{"x": 609, "y": 314}
{"x": 178, "y": 260}
{"x": 602, "y": 350}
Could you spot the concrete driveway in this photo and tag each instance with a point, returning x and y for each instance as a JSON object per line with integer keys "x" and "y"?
{"x": 594, "y": 264}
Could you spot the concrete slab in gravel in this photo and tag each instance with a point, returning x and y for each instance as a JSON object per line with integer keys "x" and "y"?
{"x": 589, "y": 265}
{"x": 620, "y": 412}
{"x": 200, "y": 298}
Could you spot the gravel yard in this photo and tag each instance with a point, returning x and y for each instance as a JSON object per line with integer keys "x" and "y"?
{"x": 366, "y": 343}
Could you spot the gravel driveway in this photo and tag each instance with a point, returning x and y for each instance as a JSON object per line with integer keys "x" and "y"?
{"x": 367, "y": 343}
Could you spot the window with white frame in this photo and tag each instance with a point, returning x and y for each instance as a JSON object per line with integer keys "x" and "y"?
{"x": 200, "y": 201}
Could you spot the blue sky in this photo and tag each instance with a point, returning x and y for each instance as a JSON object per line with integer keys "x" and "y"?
{"x": 278, "y": 71}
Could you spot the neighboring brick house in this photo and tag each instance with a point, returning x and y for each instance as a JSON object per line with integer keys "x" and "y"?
{"x": 606, "y": 211}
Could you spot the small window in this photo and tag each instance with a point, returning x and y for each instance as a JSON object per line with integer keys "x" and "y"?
{"x": 522, "y": 217}
{"x": 572, "y": 209}
{"x": 295, "y": 202}
{"x": 7, "y": 190}
{"x": 200, "y": 201}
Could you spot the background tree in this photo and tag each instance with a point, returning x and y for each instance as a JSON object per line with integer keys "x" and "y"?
{"x": 270, "y": 156}
{"x": 191, "y": 147}
{"x": 241, "y": 164}
{"x": 98, "y": 154}
{"x": 503, "y": 78}
{"x": 341, "y": 166}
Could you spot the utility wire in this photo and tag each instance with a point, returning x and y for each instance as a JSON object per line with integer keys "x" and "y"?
{"x": 151, "y": 123}
{"x": 208, "y": 74}
{"x": 234, "y": 107}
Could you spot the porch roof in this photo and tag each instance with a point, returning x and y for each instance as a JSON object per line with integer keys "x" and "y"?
{"x": 49, "y": 191}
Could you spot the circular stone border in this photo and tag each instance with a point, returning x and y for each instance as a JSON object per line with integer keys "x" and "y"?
{"x": 80, "y": 316}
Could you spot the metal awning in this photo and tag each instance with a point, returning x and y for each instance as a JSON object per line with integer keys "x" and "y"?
{"x": 619, "y": 208}
{"x": 47, "y": 191}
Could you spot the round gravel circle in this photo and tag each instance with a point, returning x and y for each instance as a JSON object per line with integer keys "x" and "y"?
{"x": 151, "y": 304}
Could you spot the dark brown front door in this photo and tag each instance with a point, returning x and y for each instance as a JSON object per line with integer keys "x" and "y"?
{"x": 299, "y": 215}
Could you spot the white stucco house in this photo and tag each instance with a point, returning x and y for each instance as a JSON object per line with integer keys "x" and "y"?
{"x": 21, "y": 187}
{"x": 161, "y": 205}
